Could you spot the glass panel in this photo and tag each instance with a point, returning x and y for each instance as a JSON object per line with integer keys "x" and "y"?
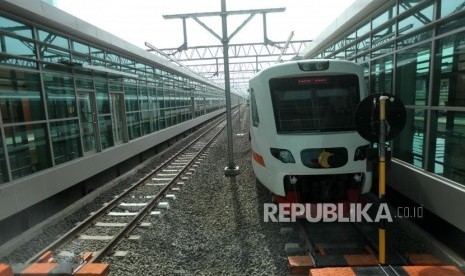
{"x": 15, "y": 27}
{"x": 17, "y": 61}
{"x": 3, "y": 170}
{"x": 350, "y": 38}
{"x": 113, "y": 61}
{"x": 449, "y": 82}
{"x": 448, "y": 138}
{"x": 130, "y": 96}
{"x": 415, "y": 38}
{"x": 61, "y": 100}
{"x": 85, "y": 83}
{"x": 53, "y": 39}
{"x": 133, "y": 125}
{"x": 98, "y": 56}
{"x": 363, "y": 45}
{"x": 55, "y": 55}
{"x": 117, "y": 117}
{"x": 452, "y": 24}
{"x": 405, "y": 5}
{"x": 65, "y": 141}
{"x": 363, "y": 30}
{"x": 416, "y": 20}
{"x": 103, "y": 103}
{"x": 409, "y": 145}
{"x": 383, "y": 36}
{"x": 350, "y": 52}
{"x": 14, "y": 46}
{"x": 449, "y": 7}
{"x": 80, "y": 47}
{"x": 306, "y": 104}
{"x": 162, "y": 121}
{"x": 146, "y": 121}
{"x": 387, "y": 15}
{"x": 20, "y": 97}
{"x": 115, "y": 86}
{"x": 106, "y": 131}
{"x": 385, "y": 49}
{"x": 412, "y": 75}
{"x": 86, "y": 116}
{"x": 143, "y": 98}
{"x": 27, "y": 149}
{"x": 381, "y": 75}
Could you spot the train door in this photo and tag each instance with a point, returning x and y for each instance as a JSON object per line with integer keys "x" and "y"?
{"x": 118, "y": 117}
{"x": 88, "y": 121}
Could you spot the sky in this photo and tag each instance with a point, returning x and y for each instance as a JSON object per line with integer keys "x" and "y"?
{"x": 140, "y": 21}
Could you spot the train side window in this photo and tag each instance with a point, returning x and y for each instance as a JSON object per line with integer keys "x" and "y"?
{"x": 255, "y": 119}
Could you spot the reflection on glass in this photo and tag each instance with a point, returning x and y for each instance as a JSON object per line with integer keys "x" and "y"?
{"x": 381, "y": 75}
{"x": 3, "y": 171}
{"x": 449, "y": 7}
{"x": 103, "y": 102}
{"x": 383, "y": 36}
{"x": 118, "y": 117}
{"x": 61, "y": 100}
{"x": 363, "y": 45}
{"x": 81, "y": 48}
{"x": 409, "y": 145}
{"x": 412, "y": 75}
{"x": 14, "y": 46}
{"x": 143, "y": 98}
{"x": 130, "y": 97}
{"x": 133, "y": 125}
{"x": 416, "y": 20}
{"x": 414, "y": 38}
{"x": 363, "y": 29}
{"x": 86, "y": 116}
{"x": 405, "y": 5}
{"x": 106, "y": 131}
{"x": 448, "y": 144}
{"x": 387, "y": 15}
{"x": 20, "y": 98}
{"x": 449, "y": 82}
{"x": 146, "y": 121}
{"x": 17, "y": 28}
{"x": 65, "y": 141}
{"x": 452, "y": 24}
{"x": 54, "y": 39}
{"x": 51, "y": 54}
{"x": 27, "y": 149}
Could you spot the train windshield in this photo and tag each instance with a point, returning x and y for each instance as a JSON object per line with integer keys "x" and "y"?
{"x": 315, "y": 104}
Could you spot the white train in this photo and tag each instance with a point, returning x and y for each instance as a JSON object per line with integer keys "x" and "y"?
{"x": 305, "y": 146}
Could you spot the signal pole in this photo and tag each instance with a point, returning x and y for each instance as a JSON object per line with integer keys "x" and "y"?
{"x": 231, "y": 170}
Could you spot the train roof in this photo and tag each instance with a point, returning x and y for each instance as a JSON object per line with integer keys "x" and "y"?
{"x": 282, "y": 68}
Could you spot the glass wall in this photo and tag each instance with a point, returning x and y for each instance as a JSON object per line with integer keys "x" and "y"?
{"x": 416, "y": 50}
{"x": 62, "y": 98}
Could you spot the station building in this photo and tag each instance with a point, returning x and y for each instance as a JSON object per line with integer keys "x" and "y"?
{"x": 414, "y": 49}
{"x": 77, "y": 102}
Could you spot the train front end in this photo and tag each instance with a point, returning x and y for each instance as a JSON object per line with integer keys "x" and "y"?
{"x": 304, "y": 144}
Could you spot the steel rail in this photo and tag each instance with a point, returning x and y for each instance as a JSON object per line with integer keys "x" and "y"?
{"x": 68, "y": 236}
{"x": 148, "y": 208}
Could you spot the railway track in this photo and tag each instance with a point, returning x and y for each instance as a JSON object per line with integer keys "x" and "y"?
{"x": 337, "y": 244}
{"x": 338, "y": 247}
{"x": 105, "y": 228}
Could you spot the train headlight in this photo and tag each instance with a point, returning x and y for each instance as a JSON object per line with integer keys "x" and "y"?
{"x": 283, "y": 155}
{"x": 314, "y": 66}
{"x": 361, "y": 152}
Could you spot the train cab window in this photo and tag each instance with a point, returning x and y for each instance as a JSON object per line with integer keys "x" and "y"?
{"x": 315, "y": 104}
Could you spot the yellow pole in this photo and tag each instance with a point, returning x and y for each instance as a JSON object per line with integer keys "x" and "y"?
{"x": 382, "y": 177}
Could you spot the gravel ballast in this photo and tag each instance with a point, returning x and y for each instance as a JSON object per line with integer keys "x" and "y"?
{"x": 214, "y": 227}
